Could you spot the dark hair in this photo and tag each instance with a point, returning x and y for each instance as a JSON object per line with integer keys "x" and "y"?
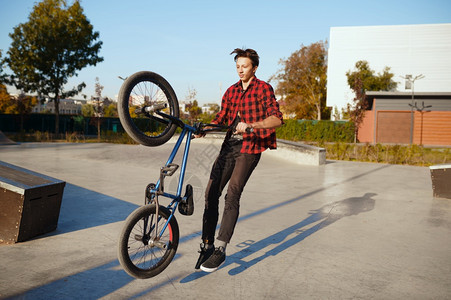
{"x": 249, "y": 53}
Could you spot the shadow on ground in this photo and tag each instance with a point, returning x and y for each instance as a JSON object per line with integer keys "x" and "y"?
{"x": 107, "y": 278}
{"x": 82, "y": 208}
{"x": 318, "y": 219}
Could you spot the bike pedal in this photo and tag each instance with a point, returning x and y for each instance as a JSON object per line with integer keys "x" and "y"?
{"x": 186, "y": 205}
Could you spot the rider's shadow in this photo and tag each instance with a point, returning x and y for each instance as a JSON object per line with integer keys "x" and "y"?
{"x": 318, "y": 219}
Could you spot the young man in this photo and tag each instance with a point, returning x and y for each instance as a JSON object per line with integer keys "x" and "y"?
{"x": 251, "y": 106}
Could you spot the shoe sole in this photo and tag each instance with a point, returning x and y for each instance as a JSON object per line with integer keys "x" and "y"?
{"x": 210, "y": 270}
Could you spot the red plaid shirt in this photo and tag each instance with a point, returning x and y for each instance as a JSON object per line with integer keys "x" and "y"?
{"x": 255, "y": 104}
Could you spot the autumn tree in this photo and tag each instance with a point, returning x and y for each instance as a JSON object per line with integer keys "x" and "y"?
{"x": 5, "y": 99}
{"x": 21, "y": 105}
{"x": 302, "y": 81}
{"x": 364, "y": 79}
{"x": 56, "y": 42}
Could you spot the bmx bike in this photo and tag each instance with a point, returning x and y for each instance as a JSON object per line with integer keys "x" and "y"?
{"x": 149, "y": 112}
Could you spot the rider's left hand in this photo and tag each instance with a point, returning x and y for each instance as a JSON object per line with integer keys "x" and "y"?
{"x": 241, "y": 127}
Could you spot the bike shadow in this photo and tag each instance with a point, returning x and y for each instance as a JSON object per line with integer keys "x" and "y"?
{"x": 318, "y": 219}
{"x": 95, "y": 283}
{"x": 82, "y": 208}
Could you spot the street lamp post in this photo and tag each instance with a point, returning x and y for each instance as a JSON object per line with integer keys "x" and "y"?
{"x": 412, "y": 105}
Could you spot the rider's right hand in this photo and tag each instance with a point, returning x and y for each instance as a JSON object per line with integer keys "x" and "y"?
{"x": 203, "y": 132}
{"x": 200, "y": 135}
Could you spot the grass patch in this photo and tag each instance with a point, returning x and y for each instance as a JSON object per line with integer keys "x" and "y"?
{"x": 413, "y": 155}
{"x": 74, "y": 137}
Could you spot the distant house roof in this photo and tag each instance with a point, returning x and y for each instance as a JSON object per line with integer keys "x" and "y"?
{"x": 409, "y": 94}
{"x": 401, "y": 100}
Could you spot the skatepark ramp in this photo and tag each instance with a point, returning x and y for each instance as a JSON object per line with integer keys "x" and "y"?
{"x": 4, "y": 140}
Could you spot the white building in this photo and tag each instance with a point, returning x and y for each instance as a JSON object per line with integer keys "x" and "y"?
{"x": 66, "y": 107}
{"x": 406, "y": 49}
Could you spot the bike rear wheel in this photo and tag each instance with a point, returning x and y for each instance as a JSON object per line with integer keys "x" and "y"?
{"x": 145, "y": 90}
{"x": 140, "y": 254}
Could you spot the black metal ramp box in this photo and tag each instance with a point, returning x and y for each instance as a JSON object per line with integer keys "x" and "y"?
{"x": 29, "y": 203}
{"x": 441, "y": 181}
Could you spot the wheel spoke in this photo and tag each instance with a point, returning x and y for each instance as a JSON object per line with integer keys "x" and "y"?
{"x": 142, "y": 251}
{"x": 145, "y": 89}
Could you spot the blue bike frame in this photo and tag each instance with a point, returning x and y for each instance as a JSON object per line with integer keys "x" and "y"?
{"x": 187, "y": 132}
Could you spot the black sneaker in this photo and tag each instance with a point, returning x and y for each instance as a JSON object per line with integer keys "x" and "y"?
{"x": 204, "y": 254}
{"x": 215, "y": 260}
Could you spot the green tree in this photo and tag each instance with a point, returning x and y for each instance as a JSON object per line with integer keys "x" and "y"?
{"x": 98, "y": 105}
{"x": 364, "y": 79}
{"x": 214, "y": 108}
{"x": 88, "y": 110}
{"x": 111, "y": 110}
{"x": 193, "y": 106}
{"x": 194, "y": 111}
{"x": 3, "y": 77}
{"x": 370, "y": 81}
{"x": 302, "y": 81}
{"x": 56, "y": 42}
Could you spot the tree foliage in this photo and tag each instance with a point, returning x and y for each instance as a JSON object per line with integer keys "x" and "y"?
{"x": 369, "y": 80}
{"x": 192, "y": 106}
{"x": 111, "y": 110}
{"x": 20, "y": 105}
{"x": 99, "y": 105}
{"x": 302, "y": 81}
{"x": 88, "y": 110}
{"x": 364, "y": 79}
{"x": 98, "y": 98}
{"x": 5, "y": 99}
{"x": 56, "y": 42}
{"x": 3, "y": 76}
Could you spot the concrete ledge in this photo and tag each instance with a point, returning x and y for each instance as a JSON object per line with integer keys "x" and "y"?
{"x": 300, "y": 153}
{"x": 295, "y": 152}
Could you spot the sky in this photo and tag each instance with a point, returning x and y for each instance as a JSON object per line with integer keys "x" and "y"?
{"x": 189, "y": 42}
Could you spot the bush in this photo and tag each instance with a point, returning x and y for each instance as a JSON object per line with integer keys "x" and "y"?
{"x": 392, "y": 154}
{"x": 316, "y": 131}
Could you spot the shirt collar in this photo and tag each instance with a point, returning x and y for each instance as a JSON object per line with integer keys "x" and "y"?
{"x": 239, "y": 86}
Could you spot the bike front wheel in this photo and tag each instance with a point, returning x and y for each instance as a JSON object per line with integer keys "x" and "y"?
{"x": 143, "y": 252}
{"x": 140, "y": 93}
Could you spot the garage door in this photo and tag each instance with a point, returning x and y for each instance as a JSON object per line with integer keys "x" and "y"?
{"x": 393, "y": 127}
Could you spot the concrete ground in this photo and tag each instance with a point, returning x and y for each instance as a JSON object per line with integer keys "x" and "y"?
{"x": 344, "y": 230}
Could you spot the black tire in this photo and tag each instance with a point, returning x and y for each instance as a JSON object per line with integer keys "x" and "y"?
{"x": 136, "y": 254}
{"x": 144, "y": 89}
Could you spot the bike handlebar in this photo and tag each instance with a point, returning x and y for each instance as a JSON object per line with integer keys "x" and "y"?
{"x": 200, "y": 127}
{"x": 216, "y": 127}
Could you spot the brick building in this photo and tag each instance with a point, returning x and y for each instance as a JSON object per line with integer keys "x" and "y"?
{"x": 393, "y": 117}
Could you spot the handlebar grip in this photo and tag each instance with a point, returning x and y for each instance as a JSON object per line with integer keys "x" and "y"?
{"x": 155, "y": 107}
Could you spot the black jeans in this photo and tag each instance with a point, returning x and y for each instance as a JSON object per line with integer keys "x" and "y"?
{"x": 233, "y": 166}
